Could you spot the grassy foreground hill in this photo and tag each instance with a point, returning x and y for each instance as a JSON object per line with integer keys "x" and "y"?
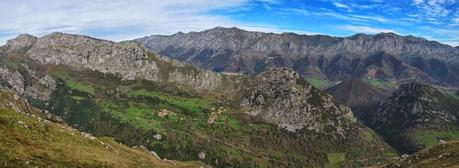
{"x": 442, "y": 155}
{"x": 28, "y": 139}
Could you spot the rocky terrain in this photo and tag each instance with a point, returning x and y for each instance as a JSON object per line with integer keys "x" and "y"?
{"x": 122, "y": 90}
{"x": 32, "y": 138}
{"x": 280, "y": 96}
{"x": 385, "y": 56}
{"x": 358, "y": 95}
{"x": 416, "y": 116}
{"x": 127, "y": 60}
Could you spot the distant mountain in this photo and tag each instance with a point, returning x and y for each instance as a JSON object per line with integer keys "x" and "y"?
{"x": 31, "y": 138}
{"x": 416, "y": 116}
{"x": 385, "y": 56}
{"x": 181, "y": 112}
{"x": 442, "y": 155}
{"x": 358, "y": 95}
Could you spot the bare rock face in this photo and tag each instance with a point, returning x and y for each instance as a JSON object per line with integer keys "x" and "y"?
{"x": 21, "y": 83}
{"x": 318, "y": 56}
{"x": 12, "y": 79}
{"x": 126, "y": 59}
{"x": 43, "y": 89}
{"x": 280, "y": 96}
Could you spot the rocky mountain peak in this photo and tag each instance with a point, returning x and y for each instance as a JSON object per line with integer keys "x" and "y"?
{"x": 420, "y": 101}
{"x": 414, "y": 106}
{"x": 413, "y": 89}
{"x": 280, "y": 96}
{"x": 280, "y": 76}
{"x": 21, "y": 43}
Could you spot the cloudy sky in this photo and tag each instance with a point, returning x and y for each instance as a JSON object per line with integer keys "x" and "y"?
{"x": 127, "y": 19}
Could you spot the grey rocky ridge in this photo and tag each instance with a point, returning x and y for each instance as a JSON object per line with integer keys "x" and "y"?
{"x": 384, "y": 56}
{"x": 126, "y": 59}
{"x": 120, "y": 89}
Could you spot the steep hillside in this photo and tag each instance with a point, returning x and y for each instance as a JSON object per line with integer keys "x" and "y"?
{"x": 185, "y": 113}
{"x": 443, "y": 155}
{"x": 358, "y": 95}
{"x": 384, "y": 56}
{"x": 416, "y": 116}
{"x": 32, "y": 139}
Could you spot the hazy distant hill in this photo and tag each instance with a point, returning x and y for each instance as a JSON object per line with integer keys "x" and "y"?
{"x": 357, "y": 94}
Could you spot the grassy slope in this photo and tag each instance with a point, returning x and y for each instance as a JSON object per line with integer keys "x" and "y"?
{"x": 381, "y": 84}
{"x": 28, "y": 141}
{"x": 106, "y": 106}
{"x": 442, "y": 155}
{"x": 430, "y": 138}
{"x": 230, "y": 140}
{"x": 319, "y": 83}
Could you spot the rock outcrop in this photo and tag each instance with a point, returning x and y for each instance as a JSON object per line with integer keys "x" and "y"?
{"x": 280, "y": 96}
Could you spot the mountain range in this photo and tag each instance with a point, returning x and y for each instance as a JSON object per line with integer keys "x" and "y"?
{"x": 140, "y": 98}
{"x": 386, "y": 56}
{"x": 254, "y": 100}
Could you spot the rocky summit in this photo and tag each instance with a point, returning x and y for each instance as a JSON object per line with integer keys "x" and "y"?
{"x": 280, "y": 96}
{"x": 416, "y": 116}
{"x": 384, "y": 56}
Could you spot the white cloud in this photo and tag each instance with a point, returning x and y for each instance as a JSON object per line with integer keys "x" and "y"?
{"x": 417, "y": 2}
{"x": 114, "y": 19}
{"x": 341, "y": 5}
{"x": 365, "y": 29}
{"x": 455, "y": 22}
{"x": 435, "y": 8}
{"x": 374, "y": 18}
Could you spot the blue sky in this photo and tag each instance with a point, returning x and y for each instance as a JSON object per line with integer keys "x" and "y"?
{"x": 127, "y": 19}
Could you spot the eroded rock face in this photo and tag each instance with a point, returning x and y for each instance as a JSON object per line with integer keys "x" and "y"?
{"x": 127, "y": 59}
{"x": 280, "y": 96}
{"x": 43, "y": 89}
{"x": 12, "y": 79}
{"x": 21, "y": 82}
